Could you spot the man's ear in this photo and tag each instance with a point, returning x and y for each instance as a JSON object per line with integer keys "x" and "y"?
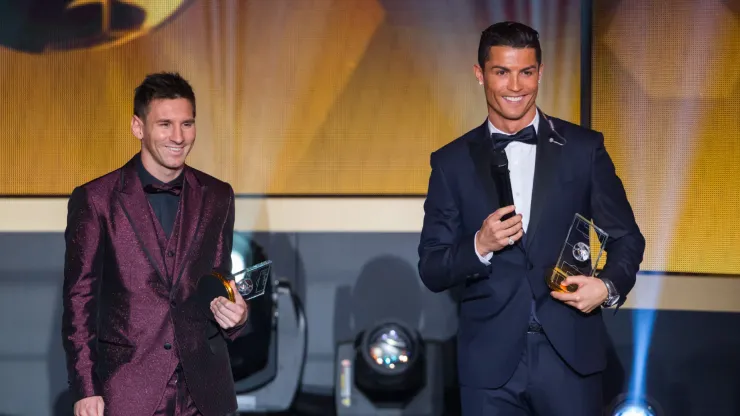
{"x": 137, "y": 127}
{"x": 540, "y": 70}
{"x": 478, "y": 73}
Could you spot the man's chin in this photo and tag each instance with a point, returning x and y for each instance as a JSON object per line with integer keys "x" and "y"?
{"x": 174, "y": 165}
{"x": 514, "y": 115}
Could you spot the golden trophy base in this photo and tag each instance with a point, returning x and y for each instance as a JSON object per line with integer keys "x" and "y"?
{"x": 555, "y": 280}
{"x": 227, "y": 286}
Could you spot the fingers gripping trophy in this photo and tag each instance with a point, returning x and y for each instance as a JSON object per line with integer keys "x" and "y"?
{"x": 250, "y": 283}
{"x": 580, "y": 254}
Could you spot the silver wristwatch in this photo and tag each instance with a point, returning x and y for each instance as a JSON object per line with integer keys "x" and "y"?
{"x": 612, "y": 296}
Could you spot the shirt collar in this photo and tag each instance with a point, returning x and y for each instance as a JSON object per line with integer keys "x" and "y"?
{"x": 535, "y": 122}
{"x": 147, "y": 178}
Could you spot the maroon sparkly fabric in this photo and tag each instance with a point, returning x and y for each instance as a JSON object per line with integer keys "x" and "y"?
{"x": 176, "y": 400}
{"x": 130, "y": 307}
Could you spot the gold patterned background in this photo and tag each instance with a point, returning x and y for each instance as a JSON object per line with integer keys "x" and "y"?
{"x": 666, "y": 93}
{"x": 293, "y": 96}
{"x": 351, "y": 96}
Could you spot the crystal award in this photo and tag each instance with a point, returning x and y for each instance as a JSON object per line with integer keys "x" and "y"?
{"x": 580, "y": 254}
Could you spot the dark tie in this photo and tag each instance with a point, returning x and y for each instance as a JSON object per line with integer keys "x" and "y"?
{"x": 173, "y": 189}
{"x": 526, "y": 135}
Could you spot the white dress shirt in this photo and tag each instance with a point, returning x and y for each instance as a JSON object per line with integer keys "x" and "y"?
{"x": 521, "y": 158}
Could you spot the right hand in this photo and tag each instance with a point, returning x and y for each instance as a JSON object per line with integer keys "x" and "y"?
{"x": 90, "y": 406}
{"x": 494, "y": 234}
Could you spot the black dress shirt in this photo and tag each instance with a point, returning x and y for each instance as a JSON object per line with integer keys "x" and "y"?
{"x": 164, "y": 204}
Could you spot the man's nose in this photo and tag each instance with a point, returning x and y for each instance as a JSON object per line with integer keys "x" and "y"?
{"x": 177, "y": 135}
{"x": 514, "y": 84}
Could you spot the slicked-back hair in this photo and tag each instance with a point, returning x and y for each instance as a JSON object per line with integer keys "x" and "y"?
{"x": 162, "y": 85}
{"x": 512, "y": 34}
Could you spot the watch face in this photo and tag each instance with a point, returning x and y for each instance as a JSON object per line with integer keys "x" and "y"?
{"x": 611, "y": 299}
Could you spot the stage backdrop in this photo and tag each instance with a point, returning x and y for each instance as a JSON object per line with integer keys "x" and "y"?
{"x": 666, "y": 93}
{"x": 293, "y": 96}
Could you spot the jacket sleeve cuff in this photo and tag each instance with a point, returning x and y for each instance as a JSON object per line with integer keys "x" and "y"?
{"x": 469, "y": 263}
{"x": 87, "y": 388}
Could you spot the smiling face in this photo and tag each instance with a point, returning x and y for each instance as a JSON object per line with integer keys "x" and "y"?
{"x": 510, "y": 80}
{"x": 167, "y": 135}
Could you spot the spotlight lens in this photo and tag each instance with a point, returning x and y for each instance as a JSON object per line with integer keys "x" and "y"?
{"x": 634, "y": 410}
{"x": 390, "y": 348}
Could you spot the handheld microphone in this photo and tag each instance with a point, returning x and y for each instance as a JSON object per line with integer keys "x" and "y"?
{"x": 500, "y": 176}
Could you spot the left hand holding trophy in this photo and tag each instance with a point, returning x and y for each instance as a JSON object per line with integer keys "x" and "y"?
{"x": 572, "y": 279}
{"x": 229, "y": 314}
{"x": 223, "y": 297}
{"x": 579, "y": 256}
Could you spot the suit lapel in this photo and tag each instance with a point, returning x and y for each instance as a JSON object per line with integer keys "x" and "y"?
{"x": 136, "y": 208}
{"x": 191, "y": 206}
{"x": 545, "y": 175}
{"x": 480, "y": 152}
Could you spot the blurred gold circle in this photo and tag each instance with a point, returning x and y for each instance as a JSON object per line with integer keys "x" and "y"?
{"x": 40, "y": 26}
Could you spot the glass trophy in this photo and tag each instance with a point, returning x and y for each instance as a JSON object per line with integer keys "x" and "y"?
{"x": 580, "y": 254}
{"x": 250, "y": 282}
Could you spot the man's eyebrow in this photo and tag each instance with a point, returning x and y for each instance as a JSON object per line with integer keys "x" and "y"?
{"x": 509, "y": 69}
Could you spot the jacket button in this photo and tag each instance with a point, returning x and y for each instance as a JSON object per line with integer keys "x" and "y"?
{"x": 173, "y": 303}
{"x": 167, "y": 346}
{"x": 171, "y": 253}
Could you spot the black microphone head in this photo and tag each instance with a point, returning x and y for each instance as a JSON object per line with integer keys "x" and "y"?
{"x": 499, "y": 159}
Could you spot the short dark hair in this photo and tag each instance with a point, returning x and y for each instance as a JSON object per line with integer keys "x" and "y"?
{"x": 162, "y": 85}
{"x": 513, "y": 34}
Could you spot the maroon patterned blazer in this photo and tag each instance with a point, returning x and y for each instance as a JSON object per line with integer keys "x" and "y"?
{"x": 131, "y": 312}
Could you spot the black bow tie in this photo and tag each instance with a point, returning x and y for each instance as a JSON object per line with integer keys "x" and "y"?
{"x": 173, "y": 189}
{"x": 527, "y": 135}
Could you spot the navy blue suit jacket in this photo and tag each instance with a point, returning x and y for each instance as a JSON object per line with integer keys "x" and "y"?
{"x": 495, "y": 309}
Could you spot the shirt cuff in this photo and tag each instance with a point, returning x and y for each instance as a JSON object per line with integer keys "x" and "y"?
{"x": 483, "y": 259}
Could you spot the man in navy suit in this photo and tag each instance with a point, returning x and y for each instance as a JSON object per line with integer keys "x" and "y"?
{"x": 522, "y": 348}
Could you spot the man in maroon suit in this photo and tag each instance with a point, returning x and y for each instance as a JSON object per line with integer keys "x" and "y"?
{"x": 136, "y": 338}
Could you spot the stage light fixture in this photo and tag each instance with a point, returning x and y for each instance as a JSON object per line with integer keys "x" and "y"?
{"x": 390, "y": 362}
{"x": 251, "y": 350}
{"x": 268, "y": 358}
{"x": 631, "y": 406}
{"x": 389, "y": 369}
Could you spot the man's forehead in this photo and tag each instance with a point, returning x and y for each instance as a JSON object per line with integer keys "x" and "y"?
{"x": 510, "y": 50}
{"x": 171, "y": 106}
{"x": 169, "y": 102}
{"x": 501, "y": 55}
